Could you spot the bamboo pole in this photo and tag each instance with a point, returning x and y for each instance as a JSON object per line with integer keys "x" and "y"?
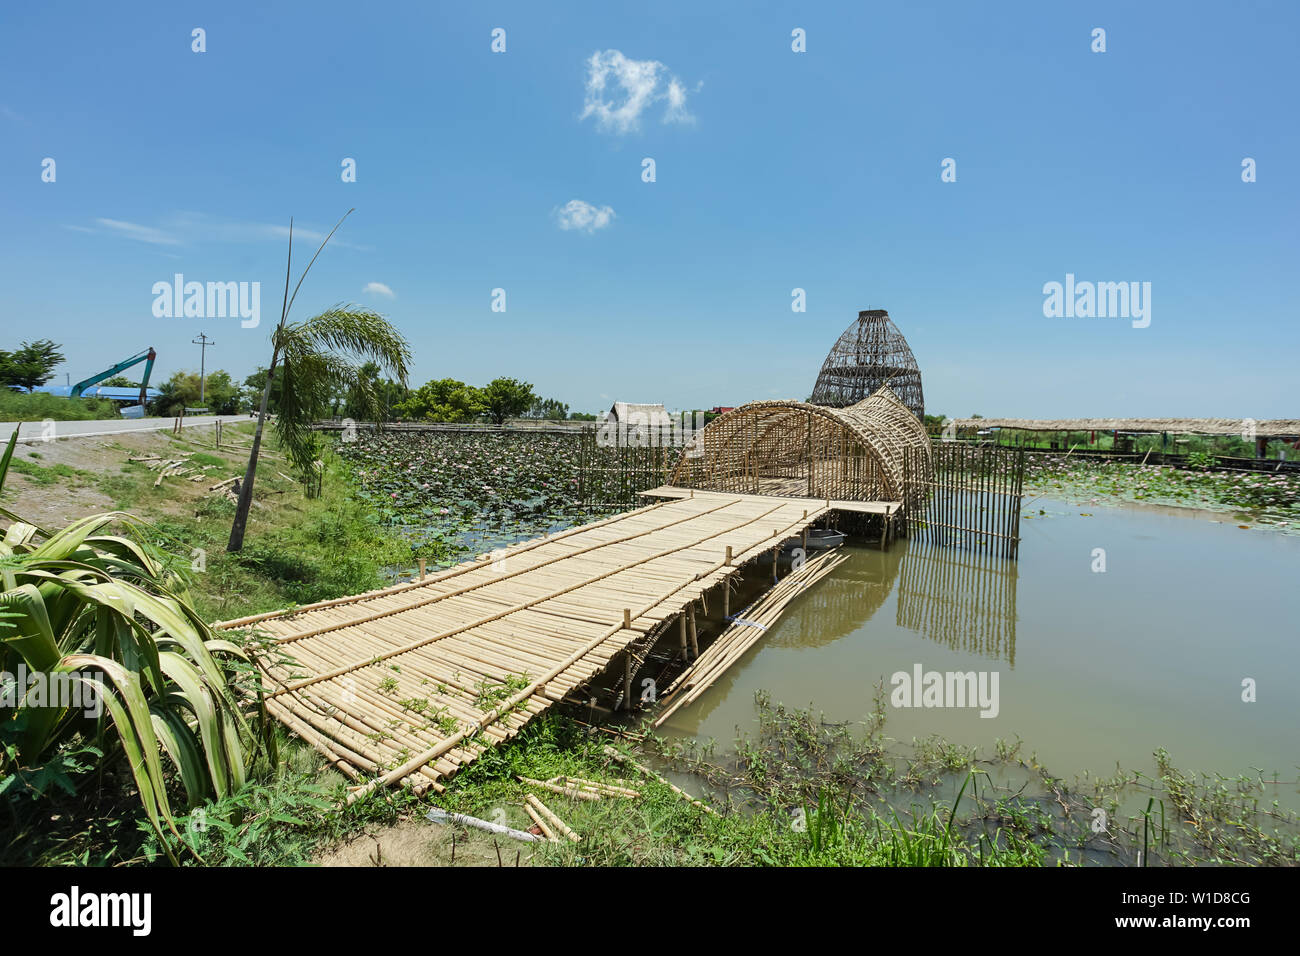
{"x": 541, "y": 824}
{"x": 624, "y": 758}
{"x": 555, "y": 821}
{"x": 690, "y": 620}
{"x": 627, "y": 675}
{"x": 556, "y": 788}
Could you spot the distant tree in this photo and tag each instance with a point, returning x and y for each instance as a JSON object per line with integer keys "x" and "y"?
{"x": 390, "y": 394}
{"x": 175, "y": 394}
{"x": 504, "y": 398}
{"x": 387, "y": 394}
{"x": 442, "y": 400}
{"x": 551, "y": 409}
{"x": 255, "y": 384}
{"x": 30, "y": 365}
{"x": 935, "y": 420}
{"x": 119, "y": 381}
{"x": 582, "y": 417}
{"x": 220, "y": 395}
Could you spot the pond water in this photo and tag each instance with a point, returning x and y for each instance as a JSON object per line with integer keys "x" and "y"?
{"x": 1094, "y": 667}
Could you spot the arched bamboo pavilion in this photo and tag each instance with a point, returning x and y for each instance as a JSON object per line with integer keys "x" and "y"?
{"x": 870, "y": 353}
{"x": 804, "y": 450}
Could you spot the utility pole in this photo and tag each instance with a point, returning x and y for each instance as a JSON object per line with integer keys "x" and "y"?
{"x": 203, "y": 342}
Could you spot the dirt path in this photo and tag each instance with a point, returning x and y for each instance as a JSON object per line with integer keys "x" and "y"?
{"x": 53, "y": 483}
{"x": 421, "y": 843}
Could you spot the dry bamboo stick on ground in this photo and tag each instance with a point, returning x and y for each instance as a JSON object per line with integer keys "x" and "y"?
{"x": 562, "y": 791}
{"x": 541, "y": 824}
{"x": 556, "y": 822}
{"x": 624, "y": 758}
{"x": 597, "y": 787}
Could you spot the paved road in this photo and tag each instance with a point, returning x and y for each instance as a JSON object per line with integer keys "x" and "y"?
{"x": 36, "y": 431}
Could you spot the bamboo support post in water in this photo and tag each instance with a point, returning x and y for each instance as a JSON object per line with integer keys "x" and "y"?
{"x": 690, "y": 620}
{"x": 627, "y": 680}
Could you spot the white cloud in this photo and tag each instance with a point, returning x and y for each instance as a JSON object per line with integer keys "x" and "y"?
{"x": 635, "y": 86}
{"x": 186, "y": 228}
{"x": 583, "y": 216}
{"x": 378, "y": 288}
{"x": 133, "y": 230}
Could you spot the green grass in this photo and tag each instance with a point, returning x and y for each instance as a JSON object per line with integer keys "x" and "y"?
{"x": 38, "y": 406}
{"x": 297, "y": 551}
{"x": 43, "y": 475}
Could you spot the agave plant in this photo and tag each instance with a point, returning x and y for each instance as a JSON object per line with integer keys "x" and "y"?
{"x": 105, "y": 608}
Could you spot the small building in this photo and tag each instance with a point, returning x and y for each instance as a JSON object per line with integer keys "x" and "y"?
{"x": 633, "y": 414}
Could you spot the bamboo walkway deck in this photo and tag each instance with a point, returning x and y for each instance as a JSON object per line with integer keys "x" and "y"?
{"x": 416, "y": 681}
{"x": 782, "y": 488}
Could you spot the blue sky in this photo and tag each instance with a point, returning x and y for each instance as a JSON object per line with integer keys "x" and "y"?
{"x": 775, "y": 170}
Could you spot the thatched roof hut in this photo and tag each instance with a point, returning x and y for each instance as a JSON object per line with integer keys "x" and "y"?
{"x": 639, "y": 413}
{"x": 870, "y": 353}
{"x": 805, "y": 450}
{"x": 1239, "y": 427}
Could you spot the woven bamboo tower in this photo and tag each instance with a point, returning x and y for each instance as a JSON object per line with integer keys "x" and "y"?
{"x": 870, "y": 353}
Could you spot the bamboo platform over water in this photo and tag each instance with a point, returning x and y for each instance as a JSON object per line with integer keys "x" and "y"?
{"x": 415, "y": 681}
{"x": 787, "y": 491}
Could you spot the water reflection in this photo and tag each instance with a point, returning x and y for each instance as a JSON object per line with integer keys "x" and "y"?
{"x": 960, "y": 598}
{"x": 840, "y": 603}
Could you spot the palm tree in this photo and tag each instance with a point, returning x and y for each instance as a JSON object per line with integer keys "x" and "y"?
{"x": 321, "y": 356}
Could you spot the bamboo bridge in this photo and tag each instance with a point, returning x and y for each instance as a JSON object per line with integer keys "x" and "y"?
{"x": 412, "y": 682}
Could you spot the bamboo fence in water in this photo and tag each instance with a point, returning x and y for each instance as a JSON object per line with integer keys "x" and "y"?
{"x": 966, "y": 496}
